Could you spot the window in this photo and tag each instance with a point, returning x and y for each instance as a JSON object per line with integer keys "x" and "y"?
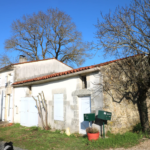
{"x": 58, "y": 107}
{"x": 29, "y": 91}
{"x": 84, "y": 82}
{"x": 9, "y": 79}
{"x": 30, "y": 87}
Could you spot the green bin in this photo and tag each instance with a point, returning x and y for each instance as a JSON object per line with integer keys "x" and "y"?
{"x": 89, "y": 117}
{"x": 105, "y": 115}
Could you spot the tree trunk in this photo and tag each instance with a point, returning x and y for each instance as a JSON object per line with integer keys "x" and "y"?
{"x": 45, "y": 109}
{"x": 143, "y": 111}
{"x": 41, "y": 115}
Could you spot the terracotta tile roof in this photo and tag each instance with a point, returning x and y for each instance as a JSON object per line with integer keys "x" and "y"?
{"x": 31, "y": 62}
{"x": 69, "y": 71}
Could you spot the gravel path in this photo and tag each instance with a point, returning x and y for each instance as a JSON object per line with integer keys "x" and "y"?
{"x": 2, "y": 146}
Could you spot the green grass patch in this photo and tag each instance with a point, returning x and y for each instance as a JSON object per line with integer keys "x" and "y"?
{"x": 37, "y": 139}
{"x": 127, "y": 139}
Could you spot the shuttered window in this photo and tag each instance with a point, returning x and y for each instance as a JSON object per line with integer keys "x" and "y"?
{"x": 58, "y": 107}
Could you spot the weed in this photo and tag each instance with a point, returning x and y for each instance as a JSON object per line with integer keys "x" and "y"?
{"x": 57, "y": 131}
{"x": 16, "y": 125}
{"x": 137, "y": 128}
{"x": 34, "y": 128}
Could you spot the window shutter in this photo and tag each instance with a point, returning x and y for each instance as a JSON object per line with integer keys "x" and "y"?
{"x": 58, "y": 107}
{"x": 11, "y": 109}
{"x": 3, "y": 111}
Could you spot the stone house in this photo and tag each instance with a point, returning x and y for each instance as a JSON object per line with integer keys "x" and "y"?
{"x": 69, "y": 95}
{"x": 72, "y": 93}
{"x": 22, "y": 71}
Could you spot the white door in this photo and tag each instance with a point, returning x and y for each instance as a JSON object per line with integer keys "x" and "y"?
{"x": 32, "y": 113}
{"x": 84, "y": 107}
{"x": 23, "y": 112}
{"x": 28, "y": 112}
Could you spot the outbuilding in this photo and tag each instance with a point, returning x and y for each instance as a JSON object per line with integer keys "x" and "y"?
{"x": 69, "y": 95}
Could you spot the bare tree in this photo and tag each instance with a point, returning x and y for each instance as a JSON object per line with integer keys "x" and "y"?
{"x": 50, "y": 34}
{"x": 42, "y": 104}
{"x": 127, "y": 32}
{"x": 129, "y": 79}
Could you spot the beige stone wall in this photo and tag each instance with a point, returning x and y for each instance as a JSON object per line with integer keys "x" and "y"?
{"x": 124, "y": 114}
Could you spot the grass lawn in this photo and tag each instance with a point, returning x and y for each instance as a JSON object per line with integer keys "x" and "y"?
{"x": 36, "y": 139}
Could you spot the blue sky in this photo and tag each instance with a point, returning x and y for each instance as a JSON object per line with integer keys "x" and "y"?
{"x": 84, "y": 14}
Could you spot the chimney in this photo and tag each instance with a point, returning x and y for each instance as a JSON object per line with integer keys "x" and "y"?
{"x": 22, "y": 59}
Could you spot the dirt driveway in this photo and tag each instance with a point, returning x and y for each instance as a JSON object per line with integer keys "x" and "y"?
{"x": 144, "y": 145}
